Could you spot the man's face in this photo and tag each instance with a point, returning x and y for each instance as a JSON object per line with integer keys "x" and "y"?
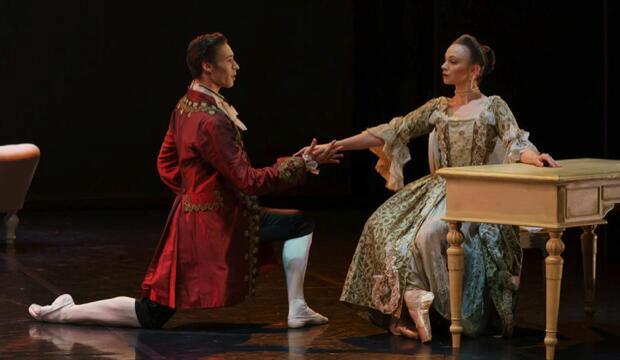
{"x": 224, "y": 69}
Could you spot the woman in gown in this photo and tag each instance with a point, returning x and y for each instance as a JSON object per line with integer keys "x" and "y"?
{"x": 399, "y": 268}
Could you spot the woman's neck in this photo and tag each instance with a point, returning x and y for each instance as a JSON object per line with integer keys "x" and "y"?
{"x": 463, "y": 94}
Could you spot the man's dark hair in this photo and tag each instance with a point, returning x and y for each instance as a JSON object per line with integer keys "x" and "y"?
{"x": 203, "y": 48}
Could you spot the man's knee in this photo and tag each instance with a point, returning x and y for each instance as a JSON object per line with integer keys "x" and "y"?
{"x": 306, "y": 224}
{"x": 281, "y": 225}
{"x": 152, "y": 315}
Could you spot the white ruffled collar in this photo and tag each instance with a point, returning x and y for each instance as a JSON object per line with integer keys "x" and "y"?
{"x": 221, "y": 103}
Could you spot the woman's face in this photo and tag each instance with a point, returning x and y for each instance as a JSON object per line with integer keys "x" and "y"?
{"x": 456, "y": 68}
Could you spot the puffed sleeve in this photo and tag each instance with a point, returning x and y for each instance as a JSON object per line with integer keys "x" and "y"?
{"x": 168, "y": 160}
{"x": 218, "y": 144}
{"x": 514, "y": 139}
{"x": 394, "y": 153}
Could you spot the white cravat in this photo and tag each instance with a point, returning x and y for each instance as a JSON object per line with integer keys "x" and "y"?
{"x": 221, "y": 103}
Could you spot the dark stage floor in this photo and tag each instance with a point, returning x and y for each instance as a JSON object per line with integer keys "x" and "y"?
{"x": 95, "y": 255}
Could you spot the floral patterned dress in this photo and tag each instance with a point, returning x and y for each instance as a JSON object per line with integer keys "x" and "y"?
{"x": 403, "y": 244}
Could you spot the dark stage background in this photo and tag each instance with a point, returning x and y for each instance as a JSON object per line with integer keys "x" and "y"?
{"x": 92, "y": 83}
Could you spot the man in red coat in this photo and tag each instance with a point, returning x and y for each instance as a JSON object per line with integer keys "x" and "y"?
{"x": 207, "y": 256}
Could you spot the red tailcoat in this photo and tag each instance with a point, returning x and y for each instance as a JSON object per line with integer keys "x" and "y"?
{"x": 208, "y": 251}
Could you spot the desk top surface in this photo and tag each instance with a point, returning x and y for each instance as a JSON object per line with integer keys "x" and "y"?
{"x": 571, "y": 170}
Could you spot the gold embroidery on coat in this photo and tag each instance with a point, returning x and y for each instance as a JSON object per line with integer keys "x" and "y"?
{"x": 186, "y": 106}
{"x": 292, "y": 170}
{"x": 218, "y": 202}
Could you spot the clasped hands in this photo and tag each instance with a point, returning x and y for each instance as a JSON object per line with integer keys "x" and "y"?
{"x": 329, "y": 154}
{"x": 321, "y": 154}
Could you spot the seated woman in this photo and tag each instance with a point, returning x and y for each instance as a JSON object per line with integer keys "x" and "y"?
{"x": 400, "y": 261}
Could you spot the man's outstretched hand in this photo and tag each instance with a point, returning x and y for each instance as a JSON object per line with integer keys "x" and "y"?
{"x": 322, "y": 154}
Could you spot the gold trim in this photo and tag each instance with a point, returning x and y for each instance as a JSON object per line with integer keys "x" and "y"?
{"x": 252, "y": 234}
{"x": 218, "y": 202}
{"x": 292, "y": 170}
{"x": 186, "y": 106}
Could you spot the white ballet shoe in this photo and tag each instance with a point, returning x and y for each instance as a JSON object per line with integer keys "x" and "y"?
{"x": 301, "y": 315}
{"x": 400, "y": 328}
{"x": 50, "y": 313}
{"x": 419, "y": 303}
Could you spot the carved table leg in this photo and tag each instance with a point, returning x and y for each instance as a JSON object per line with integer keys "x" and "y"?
{"x": 554, "y": 264}
{"x": 588, "y": 252}
{"x": 455, "y": 269}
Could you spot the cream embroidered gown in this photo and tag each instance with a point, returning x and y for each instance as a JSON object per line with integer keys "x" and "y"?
{"x": 403, "y": 244}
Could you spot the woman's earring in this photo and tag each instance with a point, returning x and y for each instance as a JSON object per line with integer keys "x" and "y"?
{"x": 474, "y": 83}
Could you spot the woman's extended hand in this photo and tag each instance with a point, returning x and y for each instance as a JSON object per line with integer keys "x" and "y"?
{"x": 540, "y": 160}
{"x": 323, "y": 153}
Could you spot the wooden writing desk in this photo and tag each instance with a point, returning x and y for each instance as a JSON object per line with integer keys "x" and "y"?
{"x": 580, "y": 193}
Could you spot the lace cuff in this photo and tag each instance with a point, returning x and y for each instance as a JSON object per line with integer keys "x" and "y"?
{"x": 311, "y": 165}
{"x": 517, "y": 145}
{"x": 392, "y": 156}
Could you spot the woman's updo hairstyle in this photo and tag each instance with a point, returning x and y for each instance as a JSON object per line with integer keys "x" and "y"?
{"x": 482, "y": 55}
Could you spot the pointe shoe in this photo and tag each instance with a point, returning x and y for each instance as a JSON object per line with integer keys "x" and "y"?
{"x": 419, "y": 303}
{"x": 400, "y": 328}
{"x": 50, "y": 312}
{"x": 301, "y": 315}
